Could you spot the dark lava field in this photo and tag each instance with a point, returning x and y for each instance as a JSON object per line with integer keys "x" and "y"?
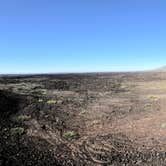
{"x": 95, "y": 119}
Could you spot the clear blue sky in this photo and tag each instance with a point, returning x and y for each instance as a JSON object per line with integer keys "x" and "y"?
{"x": 81, "y": 35}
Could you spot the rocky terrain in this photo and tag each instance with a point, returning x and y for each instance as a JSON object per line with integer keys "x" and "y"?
{"x": 99, "y": 119}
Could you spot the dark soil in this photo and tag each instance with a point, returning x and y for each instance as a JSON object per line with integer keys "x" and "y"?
{"x": 107, "y": 119}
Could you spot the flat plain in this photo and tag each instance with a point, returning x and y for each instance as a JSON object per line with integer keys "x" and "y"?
{"x": 93, "y": 119}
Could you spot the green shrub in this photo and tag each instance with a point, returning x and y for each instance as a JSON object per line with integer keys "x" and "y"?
{"x": 70, "y": 135}
{"x": 17, "y": 131}
{"x": 51, "y": 102}
{"x": 82, "y": 111}
{"x": 22, "y": 118}
{"x": 153, "y": 98}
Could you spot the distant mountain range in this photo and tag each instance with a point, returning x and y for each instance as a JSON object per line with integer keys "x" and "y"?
{"x": 161, "y": 69}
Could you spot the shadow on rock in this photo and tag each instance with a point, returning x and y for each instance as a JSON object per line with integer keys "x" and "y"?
{"x": 10, "y": 103}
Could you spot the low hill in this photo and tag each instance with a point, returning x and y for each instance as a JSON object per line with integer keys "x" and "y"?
{"x": 161, "y": 69}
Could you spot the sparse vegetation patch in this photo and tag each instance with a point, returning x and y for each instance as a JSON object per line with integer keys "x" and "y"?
{"x": 17, "y": 131}
{"x": 70, "y": 135}
{"x": 83, "y": 119}
{"x": 51, "y": 102}
{"x": 22, "y": 118}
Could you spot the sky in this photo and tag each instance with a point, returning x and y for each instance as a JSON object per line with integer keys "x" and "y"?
{"x": 52, "y": 36}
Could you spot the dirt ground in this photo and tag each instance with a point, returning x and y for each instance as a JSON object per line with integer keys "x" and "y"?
{"x": 99, "y": 119}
